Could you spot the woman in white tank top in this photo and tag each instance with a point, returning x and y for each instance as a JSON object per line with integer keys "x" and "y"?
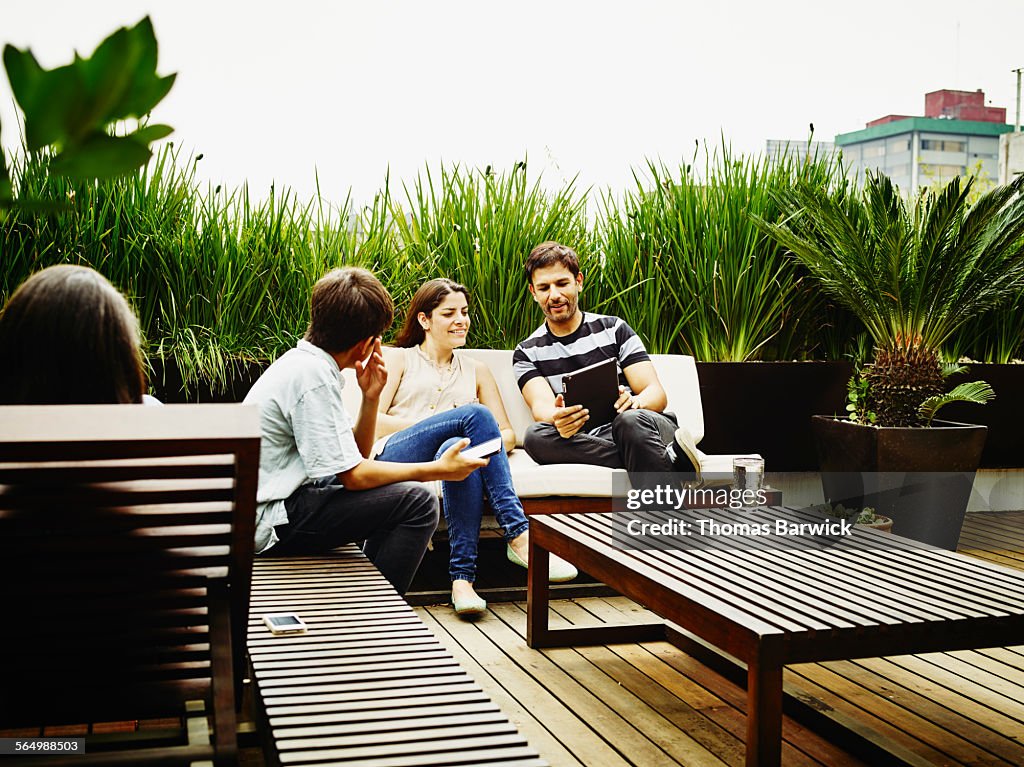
{"x": 433, "y": 398}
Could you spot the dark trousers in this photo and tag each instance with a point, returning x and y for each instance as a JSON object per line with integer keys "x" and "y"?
{"x": 634, "y": 440}
{"x": 394, "y": 521}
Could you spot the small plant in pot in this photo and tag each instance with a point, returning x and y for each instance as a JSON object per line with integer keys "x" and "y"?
{"x": 865, "y": 516}
{"x": 912, "y": 272}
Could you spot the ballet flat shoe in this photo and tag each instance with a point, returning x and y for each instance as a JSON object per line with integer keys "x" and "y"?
{"x": 472, "y": 606}
{"x": 559, "y": 570}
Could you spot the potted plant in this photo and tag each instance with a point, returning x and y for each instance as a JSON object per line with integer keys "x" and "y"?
{"x": 912, "y": 272}
{"x": 866, "y": 517}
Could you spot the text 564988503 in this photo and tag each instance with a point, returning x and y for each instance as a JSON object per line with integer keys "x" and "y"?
{"x": 42, "y": 745}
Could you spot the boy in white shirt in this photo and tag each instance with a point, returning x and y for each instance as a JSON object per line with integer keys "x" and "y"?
{"x": 317, "y": 489}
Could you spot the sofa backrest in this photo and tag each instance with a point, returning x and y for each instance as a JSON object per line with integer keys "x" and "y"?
{"x": 677, "y": 372}
{"x": 500, "y": 363}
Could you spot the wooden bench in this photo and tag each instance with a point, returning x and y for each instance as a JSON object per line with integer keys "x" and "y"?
{"x": 369, "y": 683}
{"x": 126, "y": 539}
{"x": 870, "y": 594}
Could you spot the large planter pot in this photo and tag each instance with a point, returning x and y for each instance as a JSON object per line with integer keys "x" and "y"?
{"x": 1004, "y": 415}
{"x": 766, "y": 408}
{"x": 920, "y": 477}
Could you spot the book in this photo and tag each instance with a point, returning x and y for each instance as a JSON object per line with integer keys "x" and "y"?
{"x": 596, "y": 387}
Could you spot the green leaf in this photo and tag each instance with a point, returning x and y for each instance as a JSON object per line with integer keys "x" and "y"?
{"x": 107, "y": 76}
{"x": 49, "y": 99}
{"x": 101, "y": 156}
{"x": 68, "y": 107}
{"x": 24, "y": 73}
{"x": 977, "y": 392}
{"x": 151, "y": 133}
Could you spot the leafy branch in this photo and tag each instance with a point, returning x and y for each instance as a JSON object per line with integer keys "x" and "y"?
{"x": 977, "y": 392}
{"x": 73, "y": 108}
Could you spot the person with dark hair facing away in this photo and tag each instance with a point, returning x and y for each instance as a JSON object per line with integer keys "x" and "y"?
{"x": 68, "y": 337}
{"x": 317, "y": 487}
{"x": 434, "y": 396}
{"x": 641, "y": 437}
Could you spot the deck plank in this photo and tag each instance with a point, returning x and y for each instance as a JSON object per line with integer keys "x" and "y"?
{"x": 467, "y": 641}
{"x": 616, "y": 735}
{"x": 668, "y": 712}
{"x": 530, "y": 718}
{"x": 662, "y": 718}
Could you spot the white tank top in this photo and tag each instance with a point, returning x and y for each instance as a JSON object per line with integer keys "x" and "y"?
{"x": 426, "y": 389}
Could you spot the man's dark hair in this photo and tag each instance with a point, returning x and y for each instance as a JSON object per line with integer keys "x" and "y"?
{"x": 549, "y": 253}
{"x": 348, "y": 306}
{"x": 68, "y": 337}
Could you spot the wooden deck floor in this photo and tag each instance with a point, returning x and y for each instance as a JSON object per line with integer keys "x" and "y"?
{"x": 652, "y": 704}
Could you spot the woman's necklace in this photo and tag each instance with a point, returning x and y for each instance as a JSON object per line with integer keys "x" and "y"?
{"x": 444, "y": 370}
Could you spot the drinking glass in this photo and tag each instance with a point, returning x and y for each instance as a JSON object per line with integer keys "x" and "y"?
{"x": 747, "y": 473}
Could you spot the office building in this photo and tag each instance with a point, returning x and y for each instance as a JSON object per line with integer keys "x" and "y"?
{"x": 958, "y": 135}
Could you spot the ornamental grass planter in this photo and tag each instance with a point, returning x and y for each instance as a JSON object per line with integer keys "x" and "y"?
{"x": 1004, "y": 415}
{"x": 920, "y": 477}
{"x": 169, "y": 387}
{"x": 766, "y": 408}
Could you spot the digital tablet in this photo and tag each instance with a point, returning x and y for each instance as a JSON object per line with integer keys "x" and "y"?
{"x": 596, "y": 387}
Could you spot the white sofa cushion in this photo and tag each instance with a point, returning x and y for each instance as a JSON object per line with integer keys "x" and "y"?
{"x": 531, "y": 480}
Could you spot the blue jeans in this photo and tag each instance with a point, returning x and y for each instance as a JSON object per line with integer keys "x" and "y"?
{"x": 463, "y": 501}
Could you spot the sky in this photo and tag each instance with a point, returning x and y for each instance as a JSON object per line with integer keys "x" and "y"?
{"x": 349, "y": 92}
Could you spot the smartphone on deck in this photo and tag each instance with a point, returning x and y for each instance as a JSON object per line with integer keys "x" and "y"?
{"x": 284, "y": 623}
{"x": 483, "y": 449}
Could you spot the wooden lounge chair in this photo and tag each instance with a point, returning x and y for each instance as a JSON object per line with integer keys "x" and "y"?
{"x": 126, "y": 542}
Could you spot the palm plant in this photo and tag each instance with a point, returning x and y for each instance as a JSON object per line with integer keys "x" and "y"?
{"x": 912, "y": 272}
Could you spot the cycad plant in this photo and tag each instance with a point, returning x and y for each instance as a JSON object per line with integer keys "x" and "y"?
{"x": 912, "y": 271}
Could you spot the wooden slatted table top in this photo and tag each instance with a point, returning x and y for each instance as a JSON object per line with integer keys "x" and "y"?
{"x": 369, "y": 683}
{"x": 869, "y": 594}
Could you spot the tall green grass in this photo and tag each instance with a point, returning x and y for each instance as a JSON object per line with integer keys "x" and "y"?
{"x": 222, "y": 277}
{"x": 683, "y": 257}
{"x": 993, "y": 337}
{"x": 215, "y": 276}
{"x": 477, "y": 227}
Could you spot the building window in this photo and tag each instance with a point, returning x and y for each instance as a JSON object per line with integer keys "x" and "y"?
{"x": 898, "y": 144}
{"x": 939, "y": 171}
{"x": 873, "y": 150}
{"x": 942, "y": 145}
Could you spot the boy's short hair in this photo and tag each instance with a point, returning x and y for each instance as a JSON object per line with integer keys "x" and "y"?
{"x": 348, "y": 306}
{"x": 549, "y": 253}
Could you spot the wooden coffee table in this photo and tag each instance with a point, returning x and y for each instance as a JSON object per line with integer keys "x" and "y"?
{"x": 769, "y": 607}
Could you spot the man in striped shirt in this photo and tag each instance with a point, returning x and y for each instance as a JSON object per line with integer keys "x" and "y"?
{"x": 641, "y": 437}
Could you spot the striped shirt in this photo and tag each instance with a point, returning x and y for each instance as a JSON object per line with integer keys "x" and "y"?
{"x": 599, "y": 337}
